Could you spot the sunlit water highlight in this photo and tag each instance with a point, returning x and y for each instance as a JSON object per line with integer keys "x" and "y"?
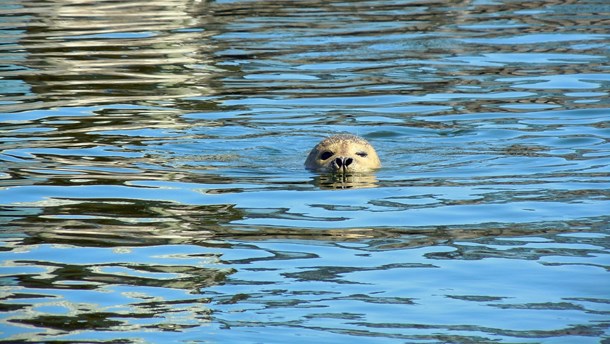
{"x": 152, "y": 186}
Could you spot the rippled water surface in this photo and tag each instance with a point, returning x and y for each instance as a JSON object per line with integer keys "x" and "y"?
{"x": 152, "y": 186}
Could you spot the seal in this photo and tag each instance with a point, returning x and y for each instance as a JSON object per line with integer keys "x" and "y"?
{"x": 343, "y": 153}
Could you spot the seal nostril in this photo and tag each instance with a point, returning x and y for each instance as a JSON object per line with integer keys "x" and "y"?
{"x": 348, "y": 161}
{"x": 339, "y": 162}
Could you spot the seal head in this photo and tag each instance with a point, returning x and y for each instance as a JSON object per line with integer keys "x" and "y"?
{"x": 343, "y": 153}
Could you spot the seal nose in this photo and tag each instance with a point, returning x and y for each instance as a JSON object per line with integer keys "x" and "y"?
{"x": 343, "y": 162}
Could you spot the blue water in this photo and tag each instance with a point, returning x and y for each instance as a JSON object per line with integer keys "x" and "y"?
{"x": 152, "y": 186}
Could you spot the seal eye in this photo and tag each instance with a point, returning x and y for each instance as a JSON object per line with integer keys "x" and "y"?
{"x": 326, "y": 155}
{"x": 362, "y": 154}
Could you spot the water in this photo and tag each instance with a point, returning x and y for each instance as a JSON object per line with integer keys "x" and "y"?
{"x": 152, "y": 186}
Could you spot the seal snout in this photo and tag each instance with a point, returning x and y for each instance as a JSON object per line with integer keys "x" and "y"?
{"x": 342, "y": 163}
